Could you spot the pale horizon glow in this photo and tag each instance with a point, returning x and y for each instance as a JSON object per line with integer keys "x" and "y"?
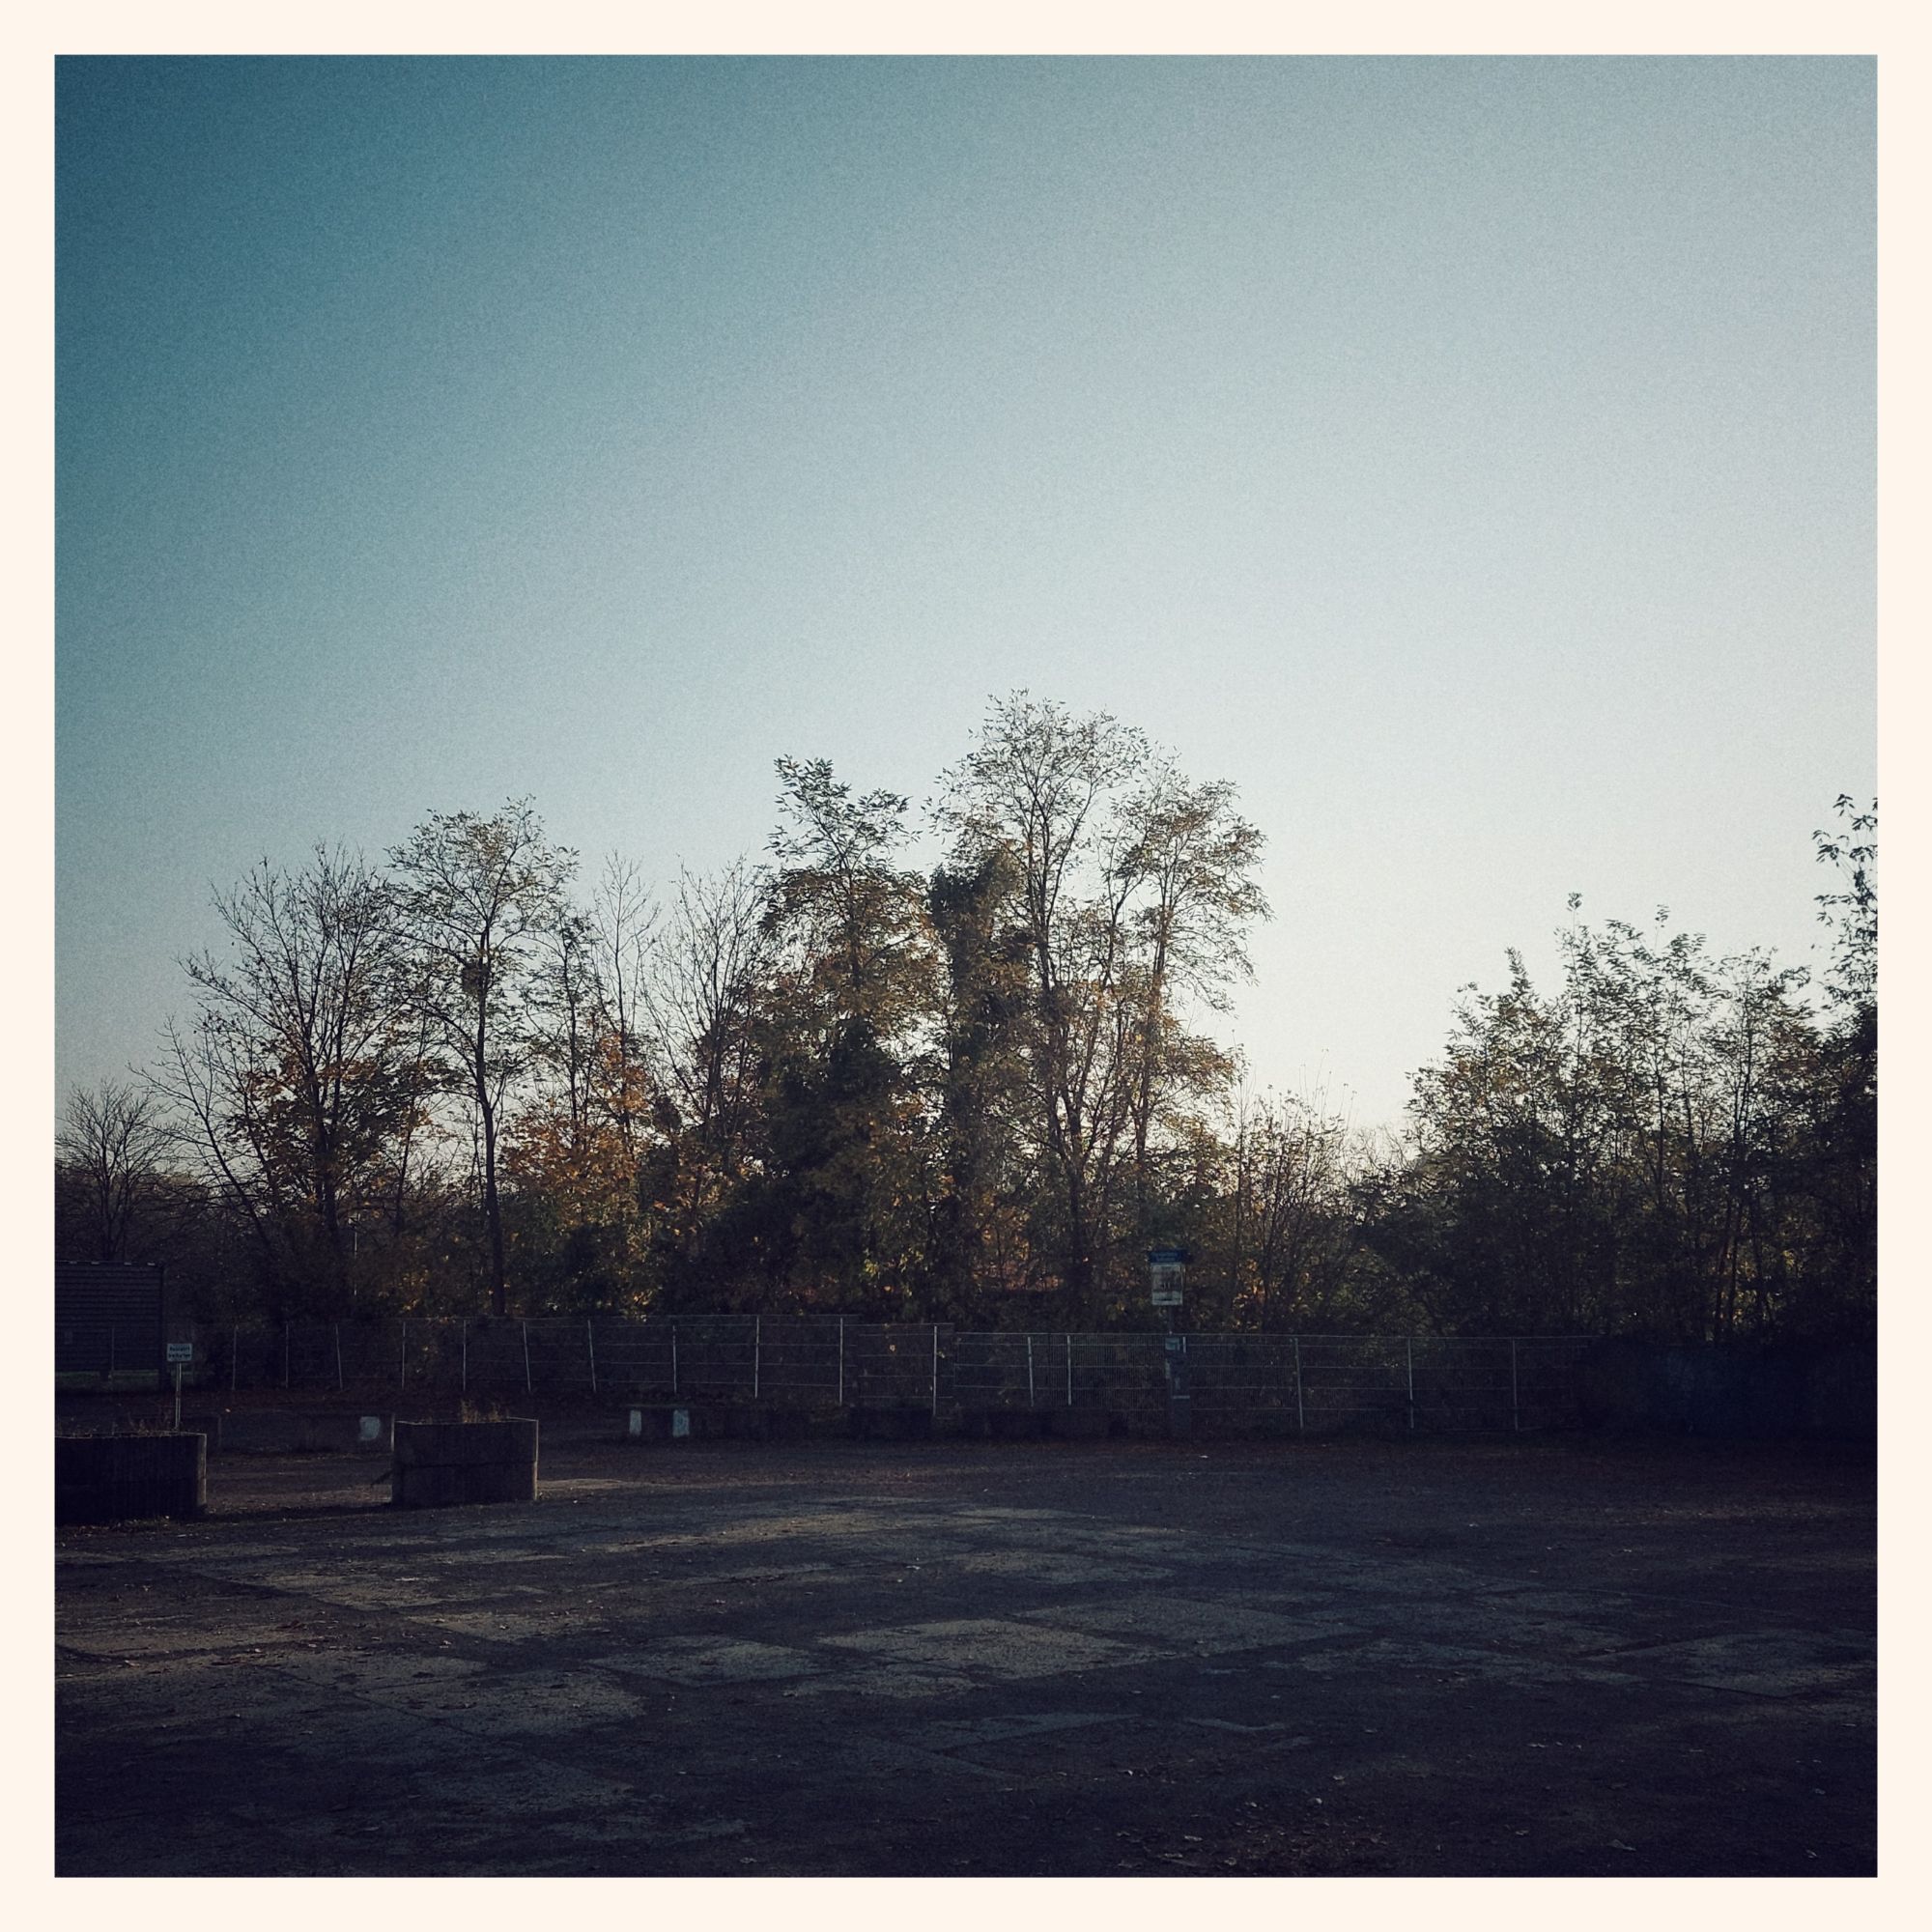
{"x": 1472, "y": 460}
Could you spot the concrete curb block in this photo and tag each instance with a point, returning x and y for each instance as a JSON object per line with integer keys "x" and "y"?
{"x": 438, "y": 1464}
{"x": 284, "y": 1431}
{"x": 122, "y": 1478}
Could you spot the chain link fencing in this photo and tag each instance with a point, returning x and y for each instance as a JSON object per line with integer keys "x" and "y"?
{"x": 1239, "y": 1384}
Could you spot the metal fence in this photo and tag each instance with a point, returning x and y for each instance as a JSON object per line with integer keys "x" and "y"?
{"x": 108, "y": 1321}
{"x": 1293, "y": 1384}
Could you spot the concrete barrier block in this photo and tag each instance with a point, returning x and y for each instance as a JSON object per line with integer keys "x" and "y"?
{"x": 439, "y": 1463}
{"x": 1003, "y": 1425}
{"x": 1018, "y": 1425}
{"x": 1077, "y": 1424}
{"x": 346, "y": 1433}
{"x": 257, "y": 1432}
{"x": 900, "y": 1423}
{"x": 656, "y": 1422}
{"x": 122, "y": 1478}
{"x": 288, "y": 1432}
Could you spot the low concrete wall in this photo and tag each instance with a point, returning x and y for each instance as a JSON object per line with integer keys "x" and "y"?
{"x": 1078, "y": 1425}
{"x": 734, "y": 1421}
{"x": 440, "y": 1464}
{"x": 283, "y": 1431}
{"x": 906, "y": 1422}
{"x": 1841, "y": 1395}
{"x": 121, "y": 1478}
{"x": 671, "y": 1422}
{"x": 1005, "y": 1425}
{"x": 1733, "y": 1393}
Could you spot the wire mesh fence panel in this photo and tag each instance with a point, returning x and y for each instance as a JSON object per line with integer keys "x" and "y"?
{"x": 365, "y": 1353}
{"x": 634, "y": 1358}
{"x": 116, "y": 1354}
{"x": 1547, "y": 1392}
{"x": 1459, "y": 1385}
{"x": 1310, "y": 1384}
{"x": 1244, "y": 1380}
{"x": 308, "y": 1356}
{"x": 1353, "y": 1383}
{"x": 897, "y": 1365}
{"x": 1124, "y": 1375}
{"x": 432, "y": 1357}
{"x": 559, "y": 1357}
{"x": 1002, "y": 1369}
{"x": 87, "y": 1348}
{"x": 715, "y": 1357}
{"x": 800, "y": 1362}
{"x": 254, "y": 1357}
{"x": 493, "y": 1363}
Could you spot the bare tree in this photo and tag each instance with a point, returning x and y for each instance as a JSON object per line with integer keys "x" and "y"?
{"x": 698, "y": 1002}
{"x": 301, "y": 1073}
{"x": 480, "y": 896}
{"x": 110, "y": 1147}
{"x": 1294, "y": 1232}
{"x": 565, "y": 1007}
{"x": 624, "y": 919}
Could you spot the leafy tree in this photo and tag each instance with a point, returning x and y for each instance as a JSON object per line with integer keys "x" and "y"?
{"x": 1121, "y": 877}
{"x": 572, "y": 1154}
{"x": 978, "y": 1241}
{"x": 1628, "y": 1153}
{"x": 1830, "y": 1169}
{"x": 1852, "y": 911}
{"x": 1040, "y": 789}
{"x": 1193, "y": 859}
{"x": 853, "y": 921}
{"x": 844, "y": 1044}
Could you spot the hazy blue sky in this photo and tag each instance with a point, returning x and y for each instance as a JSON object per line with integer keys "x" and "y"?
{"x": 1472, "y": 460}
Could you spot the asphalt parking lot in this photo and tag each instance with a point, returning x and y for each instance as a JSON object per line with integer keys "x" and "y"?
{"x": 1101, "y": 1659}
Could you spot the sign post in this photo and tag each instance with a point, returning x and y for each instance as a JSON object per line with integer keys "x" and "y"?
{"x": 179, "y": 1355}
{"x": 1167, "y": 1270}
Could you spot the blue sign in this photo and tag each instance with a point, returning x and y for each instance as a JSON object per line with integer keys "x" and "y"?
{"x": 1167, "y": 1256}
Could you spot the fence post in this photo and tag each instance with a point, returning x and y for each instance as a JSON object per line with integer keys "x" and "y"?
{"x": 1516, "y": 1408}
{"x": 1408, "y": 1357}
{"x": 403, "y": 1358}
{"x": 463, "y": 1331}
{"x": 674, "y": 1358}
{"x": 235, "y": 1358}
{"x": 841, "y": 1361}
{"x": 339, "y": 1356}
{"x": 285, "y": 1351}
{"x": 935, "y": 1368}
{"x": 1300, "y": 1416}
{"x": 590, "y": 1349}
{"x": 1029, "y": 1370}
{"x": 526, "y": 1358}
{"x": 1070, "y": 1368}
{"x": 758, "y": 1351}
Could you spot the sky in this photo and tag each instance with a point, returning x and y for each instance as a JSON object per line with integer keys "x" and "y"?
{"x": 1471, "y": 460}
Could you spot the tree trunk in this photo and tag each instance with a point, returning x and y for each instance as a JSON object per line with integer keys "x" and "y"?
{"x": 492, "y": 1212}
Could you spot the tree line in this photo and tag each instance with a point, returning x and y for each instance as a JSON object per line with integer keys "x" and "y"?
{"x": 465, "y": 1080}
